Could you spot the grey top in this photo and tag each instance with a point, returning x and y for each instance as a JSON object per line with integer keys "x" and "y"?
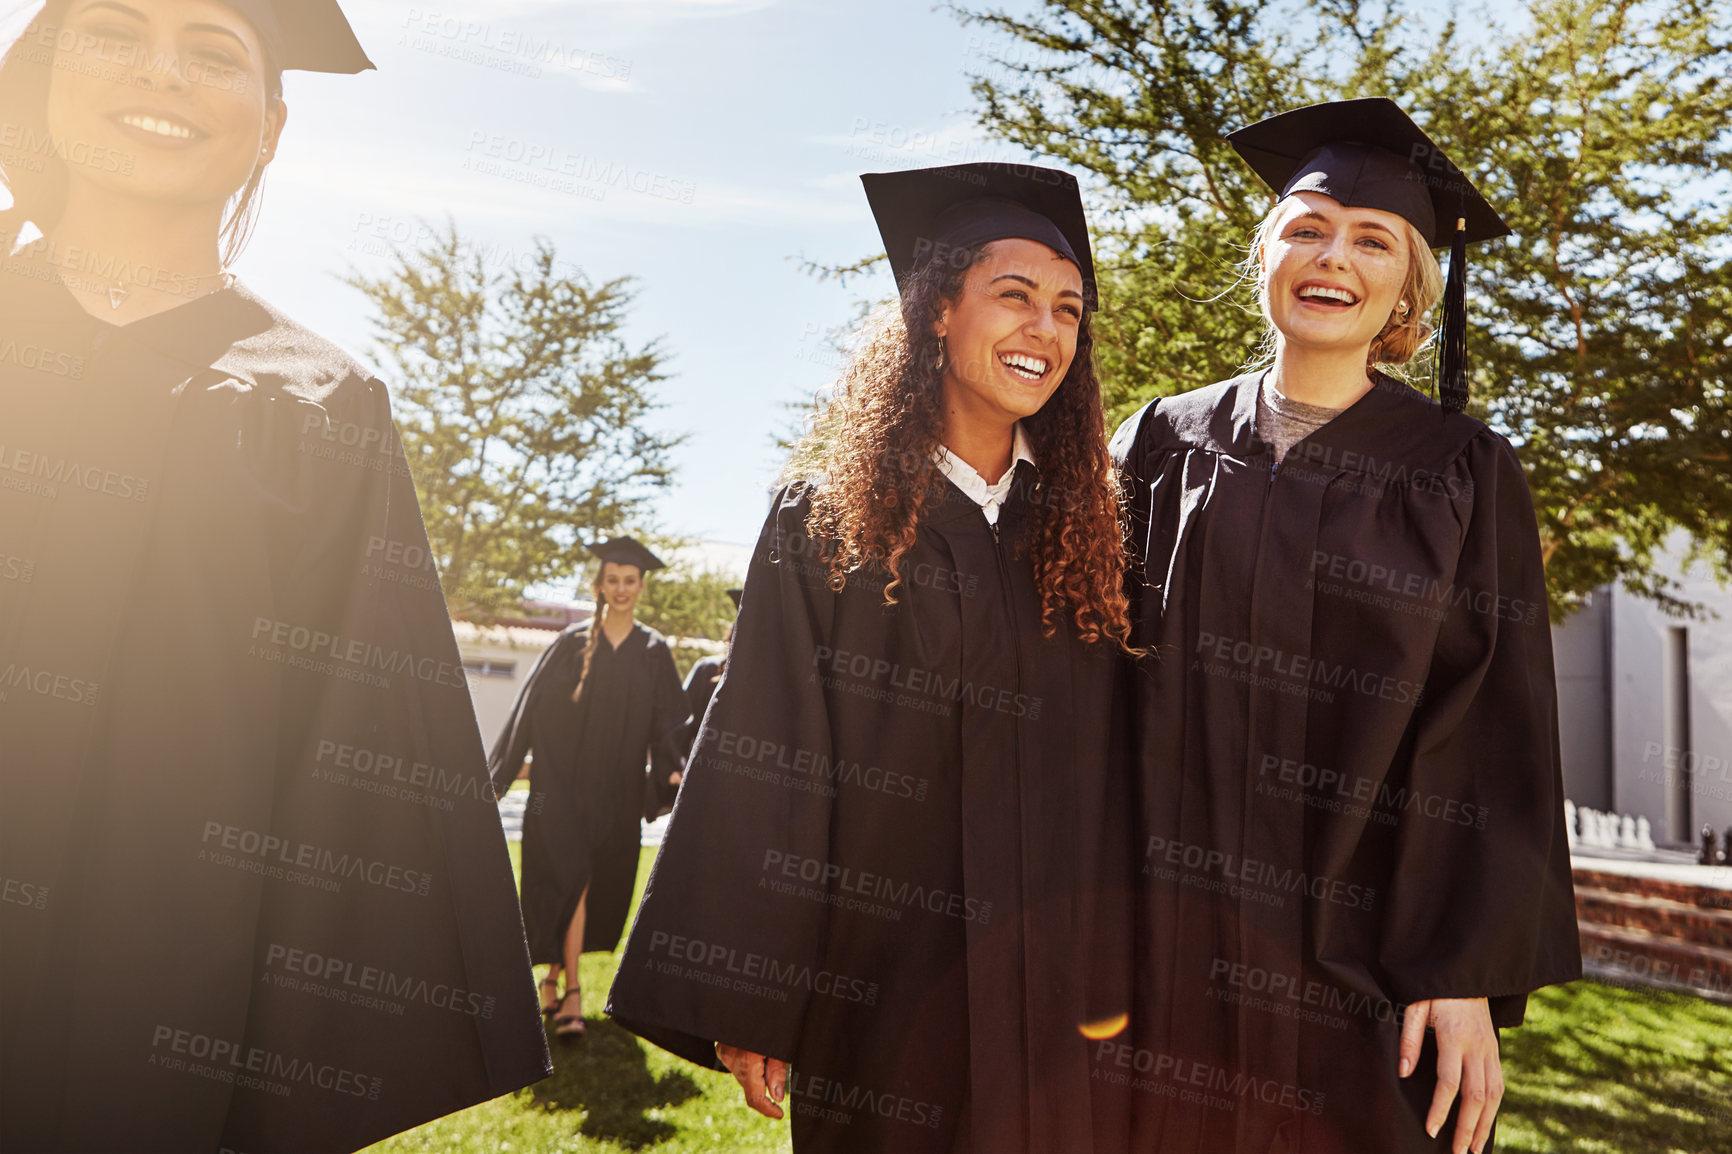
{"x": 1283, "y": 422}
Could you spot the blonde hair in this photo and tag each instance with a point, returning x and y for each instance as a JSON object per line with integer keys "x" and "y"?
{"x": 1403, "y": 336}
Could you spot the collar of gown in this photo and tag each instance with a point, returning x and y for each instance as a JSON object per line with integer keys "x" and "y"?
{"x": 989, "y": 497}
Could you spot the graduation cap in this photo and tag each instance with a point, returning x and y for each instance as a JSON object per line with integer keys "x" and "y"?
{"x": 928, "y": 214}
{"x": 627, "y": 551}
{"x": 1368, "y": 153}
{"x": 305, "y": 35}
{"x": 734, "y": 595}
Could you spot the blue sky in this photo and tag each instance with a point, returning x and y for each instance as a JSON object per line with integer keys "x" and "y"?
{"x": 711, "y": 143}
{"x": 728, "y": 135}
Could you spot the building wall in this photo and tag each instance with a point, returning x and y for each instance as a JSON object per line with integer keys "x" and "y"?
{"x": 1620, "y": 751}
{"x": 495, "y": 695}
{"x": 1582, "y": 650}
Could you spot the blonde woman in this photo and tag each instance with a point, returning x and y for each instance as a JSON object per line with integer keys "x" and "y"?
{"x": 1351, "y": 807}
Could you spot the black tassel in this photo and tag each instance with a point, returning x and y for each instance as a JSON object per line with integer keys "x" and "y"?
{"x": 1452, "y": 355}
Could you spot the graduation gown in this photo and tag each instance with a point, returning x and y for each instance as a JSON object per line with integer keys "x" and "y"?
{"x": 888, "y": 857}
{"x": 586, "y": 779}
{"x": 257, "y": 893}
{"x": 1347, "y": 734}
{"x": 700, "y": 688}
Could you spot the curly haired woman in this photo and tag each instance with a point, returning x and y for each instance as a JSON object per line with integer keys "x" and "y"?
{"x": 886, "y": 898}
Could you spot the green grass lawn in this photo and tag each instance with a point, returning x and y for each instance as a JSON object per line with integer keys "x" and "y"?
{"x": 1597, "y": 1070}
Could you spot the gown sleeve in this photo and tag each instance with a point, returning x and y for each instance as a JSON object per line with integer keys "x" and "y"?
{"x": 1127, "y": 452}
{"x": 1481, "y": 902}
{"x": 512, "y": 745}
{"x": 669, "y": 716}
{"x": 705, "y": 935}
{"x": 700, "y": 687}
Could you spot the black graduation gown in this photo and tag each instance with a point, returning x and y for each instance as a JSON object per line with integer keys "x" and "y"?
{"x": 701, "y": 685}
{"x": 586, "y": 779}
{"x": 885, "y": 858}
{"x": 1351, "y": 791}
{"x": 257, "y": 894}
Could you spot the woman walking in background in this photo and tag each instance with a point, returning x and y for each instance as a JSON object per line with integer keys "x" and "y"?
{"x": 212, "y": 682}
{"x": 602, "y": 697}
{"x": 885, "y": 896}
{"x": 1352, "y": 804}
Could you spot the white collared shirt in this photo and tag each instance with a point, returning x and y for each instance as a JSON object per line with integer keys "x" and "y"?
{"x": 988, "y": 497}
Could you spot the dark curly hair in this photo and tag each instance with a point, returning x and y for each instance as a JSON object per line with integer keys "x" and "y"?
{"x": 870, "y": 452}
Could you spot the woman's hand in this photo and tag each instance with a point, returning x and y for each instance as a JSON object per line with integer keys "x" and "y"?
{"x": 1467, "y": 1060}
{"x": 762, "y": 1079}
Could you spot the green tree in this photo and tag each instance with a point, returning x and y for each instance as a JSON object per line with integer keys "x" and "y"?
{"x": 1601, "y": 333}
{"x": 522, "y": 410}
{"x": 685, "y": 604}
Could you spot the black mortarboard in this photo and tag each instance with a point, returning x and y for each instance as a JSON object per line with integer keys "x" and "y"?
{"x": 927, "y": 213}
{"x": 734, "y": 595}
{"x": 305, "y": 35}
{"x": 1368, "y": 153}
{"x": 626, "y": 551}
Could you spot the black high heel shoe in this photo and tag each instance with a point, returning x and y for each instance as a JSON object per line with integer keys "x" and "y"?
{"x": 570, "y": 1025}
{"x": 553, "y": 984}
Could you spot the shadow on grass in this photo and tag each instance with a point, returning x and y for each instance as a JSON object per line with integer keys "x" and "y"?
{"x": 605, "y": 1076}
{"x": 1598, "y": 1068}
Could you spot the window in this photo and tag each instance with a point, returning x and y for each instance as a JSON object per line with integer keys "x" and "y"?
{"x": 484, "y": 668}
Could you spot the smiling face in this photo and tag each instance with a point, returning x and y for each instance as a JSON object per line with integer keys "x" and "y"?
{"x": 1332, "y": 275}
{"x": 1011, "y": 334}
{"x": 621, "y": 586}
{"x": 178, "y": 86}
